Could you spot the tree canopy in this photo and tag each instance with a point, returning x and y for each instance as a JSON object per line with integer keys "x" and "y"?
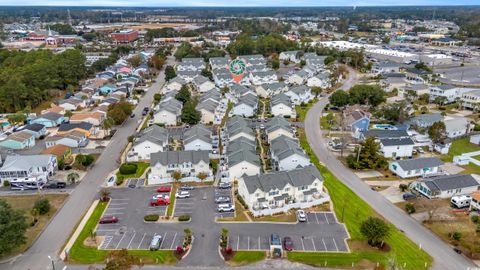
{"x": 266, "y": 45}
{"x": 375, "y": 230}
{"x": 367, "y": 156}
{"x": 13, "y": 226}
{"x": 119, "y": 112}
{"x": 183, "y": 95}
{"x": 339, "y": 98}
{"x": 437, "y": 132}
{"x": 27, "y": 77}
{"x": 63, "y": 29}
{"x": 170, "y": 73}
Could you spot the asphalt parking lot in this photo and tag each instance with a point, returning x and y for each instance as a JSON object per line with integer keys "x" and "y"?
{"x": 320, "y": 233}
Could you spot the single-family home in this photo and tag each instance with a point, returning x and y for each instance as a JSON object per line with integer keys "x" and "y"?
{"x": 392, "y": 81}
{"x": 49, "y": 119}
{"x": 457, "y": 127}
{"x": 107, "y": 89}
{"x": 189, "y": 163}
{"x": 290, "y": 56}
{"x": 417, "y": 167}
{"x": 282, "y": 105}
{"x": 447, "y": 93}
{"x": 471, "y": 99}
{"x": 86, "y": 128}
{"x": 447, "y": 186}
{"x": 28, "y": 170}
{"x": 62, "y": 152}
{"x": 153, "y": 139}
{"x": 197, "y": 138}
{"x": 425, "y": 120}
{"x": 396, "y": 147}
{"x": 72, "y": 139}
{"x": 37, "y": 130}
{"x": 356, "y": 119}
{"x": 19, "y": 140}
{"x": 71, "y": 104}
{"x": 94, "y": 118}
{"x": 279, "y": 192}
{"x": 385, "y": 67}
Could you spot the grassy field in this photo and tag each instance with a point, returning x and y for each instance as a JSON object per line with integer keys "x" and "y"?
{"x": 247, "y": 257}
{"x": 82, "y": 254}
{"x": 356, "y": 210}
{"x": 172, "y": 201}
{"x": 141, "y": 167}
{"x": 302, "y": 110}
{"x": 459, "y": 147}
{"x": 25, "y": 203}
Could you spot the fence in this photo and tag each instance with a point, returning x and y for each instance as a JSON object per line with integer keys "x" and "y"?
{"x": 298, "y": 205}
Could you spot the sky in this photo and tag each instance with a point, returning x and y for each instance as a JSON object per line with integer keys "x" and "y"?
{"x": 230, "y": 3}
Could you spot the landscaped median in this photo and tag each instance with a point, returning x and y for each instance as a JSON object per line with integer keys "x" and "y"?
{"x": 352, "y": 210}
{"x": 246, "y": 257}
{"x": 84, "y": 250}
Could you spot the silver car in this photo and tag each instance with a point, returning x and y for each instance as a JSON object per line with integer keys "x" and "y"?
{"x": 301, "y": 216}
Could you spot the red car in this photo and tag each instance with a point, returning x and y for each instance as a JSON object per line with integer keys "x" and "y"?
{"x": 108, "y": 219}
{"x": 164, "y": 189}
{"x": 159, "y": 201}
{"x": 287, "y": 243}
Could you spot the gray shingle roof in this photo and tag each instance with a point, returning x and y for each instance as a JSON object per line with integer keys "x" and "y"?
{"x": 448, "y": 182}
{"x": 243, "y": 155}
{"x": 382, "y": 133}
{"x": 281, "y": 99}
{"x": 284, "y": 147}
{"x": 51, "y": 116}
{"x": 419, "y": 163}
{"x": 278, "y": 180}
{"x": 396, "y": 141}
{"x": 179, "y": 157}
{"x": 199, "y": 132}
{"x": 248, "y": 99}
{"x": 25, "y": 162}
{"x": 241, "y": 144}
{"x": 153, "y": 134}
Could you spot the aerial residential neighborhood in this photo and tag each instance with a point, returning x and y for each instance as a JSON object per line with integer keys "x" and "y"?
{"x": 176, "y": 137}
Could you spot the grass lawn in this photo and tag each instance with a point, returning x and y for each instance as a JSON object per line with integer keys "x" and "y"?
{"x": 240, "y": 215}
{"x": 246, "y": 257}
{"x": 290, "y": 216}
{"x": 459, "y": 147}
{"x": 141, "y": 167}
{"x": 25, "y": 203}
{"x": 357, "y": 210}
{"x": 172, "y": 201}
{"x": 302, "y": 110}
{"x": 80, "y": 253}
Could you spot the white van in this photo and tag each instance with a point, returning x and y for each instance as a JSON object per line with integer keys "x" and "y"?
{"x": 156, "y": 241}
{"x": 462, "y": 201}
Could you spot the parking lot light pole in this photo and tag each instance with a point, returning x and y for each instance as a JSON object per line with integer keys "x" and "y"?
{"x": 53, "y": 263}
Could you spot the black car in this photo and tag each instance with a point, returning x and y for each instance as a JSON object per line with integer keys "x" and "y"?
{"x": 132, "y": 115}
{"x": 144, "y": 113}
{"x": 56, "y": 184}
{"x": 186, "y": 187}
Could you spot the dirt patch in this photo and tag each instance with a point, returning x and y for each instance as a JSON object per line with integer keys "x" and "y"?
{"x": 93, "y": 242}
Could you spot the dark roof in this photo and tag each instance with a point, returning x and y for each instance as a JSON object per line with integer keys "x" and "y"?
{"x": 419, "y": 163}
{"x": 51, "y": 116}
{"x": 448, "y": 182}
{"x": 385, "y": 133}
{"x": 396, "y": 141}
{"x": 278, "y": 180}
{"x": 34, "y": 127}
{"x": 81, "y": 125}
{"x": 179, "y": 157}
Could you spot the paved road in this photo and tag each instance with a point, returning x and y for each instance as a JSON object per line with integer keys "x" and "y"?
{"x": 61, "y": 226}
{"x": 443, "y": 255}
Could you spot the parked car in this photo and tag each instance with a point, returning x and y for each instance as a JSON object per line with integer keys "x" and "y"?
{"x": 301, "y": 216}
{"x": 132, "y": 115}
{"x": 164, "y": 189}
{"x": 156, "y": 242}
{"x": 55, "y": 184}
{"x": 159, "y": 201}
{"x": 287, "y": 243}
{"x": 224, "y": 185}
{"x": 225, "y": 208}
{"x": 182, "y": 195}
{"x": 409, "y": 196}
{"x": 108, "y": 219}
{"x": 187, "y": 187}
{"x": 222, "y": 199}
{"x": 275, "y": 240}
{"x": 158, "y": 196}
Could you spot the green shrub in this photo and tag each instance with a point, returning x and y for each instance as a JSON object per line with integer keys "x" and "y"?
{"x": 456, "y": 236}
{"x": 184, "y": 218}
{"x": 410, "y": 208}
{"x": 6, "y": 183}
{"x": 153, "y": 217}
{"x": 242, "y": 202}
{"x": 119, "y": 181}
{"x": 403, "y": 187}
{"x": 42, "y": 206}
{"x": 475, "y": 219}
{"x": 128, "y": 168}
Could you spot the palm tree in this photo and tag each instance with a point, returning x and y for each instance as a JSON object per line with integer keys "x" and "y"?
{"x": 107, "y": 124}
{"x": 73, "y": 177}
{"x": 104, "y": 195}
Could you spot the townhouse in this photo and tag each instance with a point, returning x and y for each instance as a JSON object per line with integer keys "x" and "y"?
{"x": 174, "y": 84}
{"x": 246, "y": 106}
{"x": 153, "y": 139}
{"x": 300, "y": 94}
{"x": 263, "y": 77}
{"x": 278, "y": 192}
{"x": 298, "y": 78}
{"x": 282, "y": 105}
{"x": 197, "y": 138}
{"x": 191, "y": 64}
{"x": 168, "y": 112}
{"x": 188, "y": 163}
{"x": 448, "y": 93}
{"x": 242, "y": 161}
{"x": 278, "y": 126}
{"x": 290, "y": 56}
{"x": 270, "y": 89}
{"x": 238, "y": 127}
{"x": 188, "y": 75}
{"x": 219, "y": 62}
{"x": 286, "y": 154}
{"x": 202, "y": 84}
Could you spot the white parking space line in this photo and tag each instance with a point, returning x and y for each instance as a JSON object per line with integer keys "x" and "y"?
{"x": 303, "y": 245}
{"x": 317, "y": 218}
{"x": 118, "y": 203}
{"x": 306, "y": 217}
{"x": 335, "y": 242}
{"x": 324, "y": 245}
{"x": 326, "y": 218}
{"x": 163, "y": 240}
{"x": 238, "y": 241}
{"x": 259, "y": 247}
{"x": 173, "y": 241}
{"x": 248, "y": 243}
{"x": 313, "y": 243}
{"x": 134, "y": 234}
{"x": 115, "y": 208}
{"x": 120, "y": 241}
{"x": 141, "y": 241}
{"x": 106, "y": 230}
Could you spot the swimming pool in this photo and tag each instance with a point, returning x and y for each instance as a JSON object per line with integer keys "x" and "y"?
{"x": 384, "y": 126}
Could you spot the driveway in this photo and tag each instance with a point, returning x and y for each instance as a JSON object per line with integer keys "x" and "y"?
{"x": 443, "y": 254}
